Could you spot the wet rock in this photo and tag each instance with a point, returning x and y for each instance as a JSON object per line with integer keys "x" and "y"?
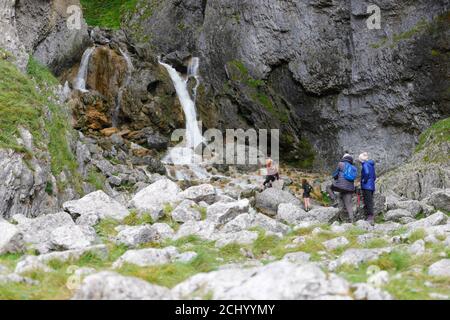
{"x": 97, "y": 203}
{"x": 113, "y": 286}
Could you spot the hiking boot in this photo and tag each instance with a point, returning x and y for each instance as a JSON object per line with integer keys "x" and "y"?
{"x": 371, "y": 219}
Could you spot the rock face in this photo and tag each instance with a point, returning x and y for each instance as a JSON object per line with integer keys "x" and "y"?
{"x": 311, "y": 68}
{"x": 113, "y": 286}
{"x": 97, "y": 204}
{"x": 269, "y": 200}
{"x": 270, "y": 282}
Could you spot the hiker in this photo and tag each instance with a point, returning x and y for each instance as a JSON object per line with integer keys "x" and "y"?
{"x": 307, "y": 188}
{"x": 368, "y": 178}
{"x": 272, "y": 173}
{"x": 344, "y": 182}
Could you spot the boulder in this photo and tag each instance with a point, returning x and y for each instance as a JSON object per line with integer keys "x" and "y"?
{"x": 386, "y": 227}
{"x": 297, "y": 257}
{"x": 203, "y": 192}
{"x": 113, "y": 286}
{"x": 164, "y": 230}
{"x": 413, "y": 206}
{"x": 11, "y": 239}
{"x": 355, "y": 257}
{"x": 15, "y": 278}
{"x": 153, "y": 198}
{"x": 186, "y": 211}
{"x": 71, "y": 237}
{"x": 133, "y": 236}
{"x": 98, "y": 204}
{"x": 243, "y": 237}
{"x": 364, "y": 291}
{"x": 255, "y": 220}
{"x": 322, "y": 214}
{"x": 440, "y": 200}
{"x": 37, "y": 232}
{"x": 290, "y": 213}
{"x": 223, "y": 212}
{"x": 335, "y": 243}
{"x": 440, "y": 268}
{"x": 147, "y": 257}
{"x": 435, "y": 219}
{"x": 205, "y": 230}
{"x": 397, "y": 214}
{"x": 281, "y": 280}
{"x": 186, "y": 257}
{"x": 417, "y": 248}
{"x": 268, "y": 201}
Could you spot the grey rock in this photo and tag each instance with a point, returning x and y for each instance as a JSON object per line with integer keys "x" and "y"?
{"x": 113, "y": 286}
{"x": 253, "y": 220}
{"x": 153, "y": 198}
{"x": 186, "y": 257}
{"x": 204, "y": 229}
{"x": 386, "y": 227}
{"x": 70, "y": 237}
{"x": 397, "y": 214}
{"x": 297, "y": 257}
{"x": 268, "y": 201}
{"x": 290, "y": 213}
{"x": 243, "y": 237}
{"x": 223, "y": 212}
{"x": 15, "y": 278}
{"x": 435, "y": 219}
{"x": 203, "y": 192}
{"x": 335, "y": 243}
{"x": 186, "y": 211}
{"x": 365, "y": 238}
{"x": 277, "y": 280}
{"x": 417, "y": 248}
{"x": 413, "y": 206}
{"x": 134, "y": 236}
{"x": 363, "y": 291}
{"x": 440, "y": 268}
{"x": 96, "y": 203}
{"x": 147, "y": 257}
{"x": 354, "y": 257}
{"x": 11, "y": 239}
{"x": 440, "y": 200}
{"x": 164, "y": 230}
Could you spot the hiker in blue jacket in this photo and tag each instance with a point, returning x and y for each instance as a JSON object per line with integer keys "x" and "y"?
{"x": 368, "y": 178}
{"x": 344, "y": 182}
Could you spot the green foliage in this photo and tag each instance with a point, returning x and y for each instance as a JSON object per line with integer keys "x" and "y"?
{"x": 136, "y": 219}
{"x": 437, "y": 133}
{"x": 417, "y": 235}
{"x": 107, "y": 13}
{"x": 96, "y": 179}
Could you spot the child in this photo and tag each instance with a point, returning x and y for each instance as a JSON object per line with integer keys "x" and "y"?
{"x": 272, "y": 173}
{"x": 306, "y": 193}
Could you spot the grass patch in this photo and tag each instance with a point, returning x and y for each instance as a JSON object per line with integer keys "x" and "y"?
{"x": 437, "y": 133}
{"x": 107, "y": 13}
{"x": 136, "y": 219}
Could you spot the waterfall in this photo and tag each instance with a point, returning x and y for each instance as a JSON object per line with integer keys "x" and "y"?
{"x": 193, "y": 72}
{"x": 80, "y": 80}
{"x": 126, "y": 82}
{"x": 193, "y": 134}
{"x": 185, "y": 163}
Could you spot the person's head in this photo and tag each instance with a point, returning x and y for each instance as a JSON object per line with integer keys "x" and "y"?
{"x": 304, "y": 181}
{"x": 269, "y": 162}
{"x": 363, "y": 157}
{"x": 348, "y": 157}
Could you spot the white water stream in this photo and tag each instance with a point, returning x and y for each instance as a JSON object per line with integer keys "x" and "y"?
{"x": 80, "y": 80}
{"x": 115, "y": 115}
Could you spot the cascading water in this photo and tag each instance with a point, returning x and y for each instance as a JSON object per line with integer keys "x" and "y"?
{"x": 115, "y": 115}
{"x": 80, "y": 80}
{"x": 193, "y": 72}
{"x": 185, "y": 154}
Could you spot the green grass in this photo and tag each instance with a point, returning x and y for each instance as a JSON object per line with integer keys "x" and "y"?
{"x": 96, "y": 179}
{"x": 107, "y": 13}
{"x": 437, "y": 133}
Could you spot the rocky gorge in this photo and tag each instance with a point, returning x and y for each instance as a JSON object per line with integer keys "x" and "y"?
{"x": 90, "y": 207}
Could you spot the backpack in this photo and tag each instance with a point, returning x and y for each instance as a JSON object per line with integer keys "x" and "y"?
{"x": 350, "y": 172}
{"x": 308, "y": 188}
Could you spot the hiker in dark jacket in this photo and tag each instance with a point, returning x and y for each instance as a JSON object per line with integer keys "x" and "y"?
{"x": 345, "y": 187}
{"x": 307, "y": 189}
{"x": 368, "y": 178}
